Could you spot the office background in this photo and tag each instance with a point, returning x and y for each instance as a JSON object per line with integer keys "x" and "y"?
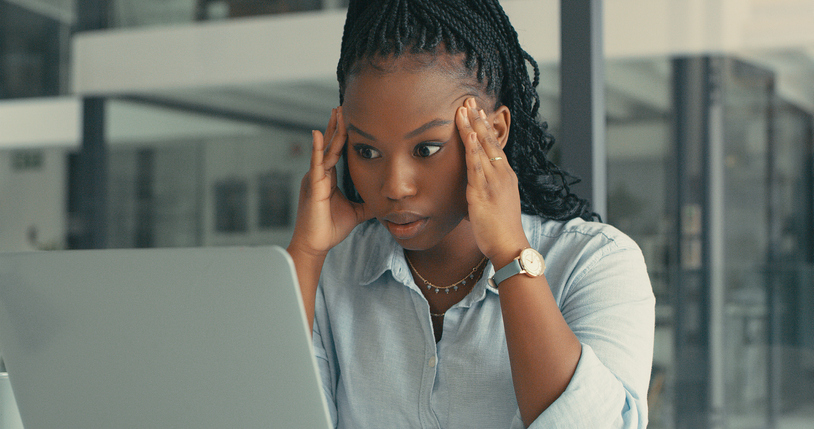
{"x": 165, "y": 123}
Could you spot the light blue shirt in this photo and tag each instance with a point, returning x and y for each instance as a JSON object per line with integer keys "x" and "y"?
{"x": 381, "y": 367}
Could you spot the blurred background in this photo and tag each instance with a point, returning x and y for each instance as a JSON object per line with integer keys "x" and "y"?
{"x": 164, "y": 123}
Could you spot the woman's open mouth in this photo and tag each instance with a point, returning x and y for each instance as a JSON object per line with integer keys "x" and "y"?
{"x": 404, "y": 225}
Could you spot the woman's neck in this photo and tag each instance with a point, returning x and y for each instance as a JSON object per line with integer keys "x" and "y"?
{"x": 451, "y": 259}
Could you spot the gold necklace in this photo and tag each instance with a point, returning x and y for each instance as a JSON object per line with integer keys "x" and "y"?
{"x": 454, "y": 286}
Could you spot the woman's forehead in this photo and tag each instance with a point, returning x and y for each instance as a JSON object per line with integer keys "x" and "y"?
{"x": 404, "y": 91}
{"x": 433, "y": 77}
{"x": 439, "y": 62}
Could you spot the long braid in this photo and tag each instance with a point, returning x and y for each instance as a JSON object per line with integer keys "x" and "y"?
{"x": 481, "y": 31}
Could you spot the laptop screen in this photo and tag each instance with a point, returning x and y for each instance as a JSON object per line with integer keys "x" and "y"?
{"x": 198, "y": 338}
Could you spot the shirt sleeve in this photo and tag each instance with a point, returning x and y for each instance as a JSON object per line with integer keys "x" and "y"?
{"x": 321, "y": 351}
{"x": 610, "y": 307}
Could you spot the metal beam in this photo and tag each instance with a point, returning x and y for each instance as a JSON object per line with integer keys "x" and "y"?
{"x": 582, "y": 99}
{"x": 88, "y": 190}
{"x": 690, "y": 267}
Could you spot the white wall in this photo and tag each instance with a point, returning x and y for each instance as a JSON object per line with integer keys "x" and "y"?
{"x": 247, "y": 159}
{"x": 193, "y": 153}
{"x": 32, "y": 199}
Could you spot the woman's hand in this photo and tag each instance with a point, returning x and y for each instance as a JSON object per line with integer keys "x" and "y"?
{"x": 491, "y": 193}
{"x": 324, "y": 216}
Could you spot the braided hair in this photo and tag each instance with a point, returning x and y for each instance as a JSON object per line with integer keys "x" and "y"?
{"x": 481, "y": 31}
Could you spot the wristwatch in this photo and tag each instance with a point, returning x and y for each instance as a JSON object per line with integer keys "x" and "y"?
{"x": 530, "y": 262}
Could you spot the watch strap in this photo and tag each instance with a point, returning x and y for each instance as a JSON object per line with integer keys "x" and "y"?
{"x": 504, "y": 273}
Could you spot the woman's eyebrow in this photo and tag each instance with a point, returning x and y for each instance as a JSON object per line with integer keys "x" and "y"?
{"x": 432, "y": 124}
{"x": 353, "y": 128}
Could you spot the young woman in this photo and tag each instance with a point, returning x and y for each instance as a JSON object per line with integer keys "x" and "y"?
{"x": 457, "y": 283}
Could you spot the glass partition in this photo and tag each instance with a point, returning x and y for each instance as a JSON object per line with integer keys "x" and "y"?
{"x": 639, "y": 139}
{"x": 767, "y": 197}
{"x": 33, "y": 50}
{"x": 141, "y": 13}
{"x": 183, "y": 178}
{"x": 747, "y": 94}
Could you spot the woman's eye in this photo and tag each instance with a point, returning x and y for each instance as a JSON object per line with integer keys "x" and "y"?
{"x": 366, "y": 152}
{"x": 425, "y": 150}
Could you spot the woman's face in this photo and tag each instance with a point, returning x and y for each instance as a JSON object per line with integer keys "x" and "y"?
{"x": 405, "y": 154}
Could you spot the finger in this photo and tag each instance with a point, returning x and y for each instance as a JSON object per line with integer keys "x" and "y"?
{"x": 472, "y": 115}
{"x": 338, "y": 140}
{"x": 466, "y": 127}
{"x": 362, "y": 212}
{"x": 475, "y": 159}
{"x": 497, "y": 157}
{"x": 331, "y": 129}
{"x": 491, "y": 133}
{"x": 486, "y": 133}
{"x": 317, "y": 154}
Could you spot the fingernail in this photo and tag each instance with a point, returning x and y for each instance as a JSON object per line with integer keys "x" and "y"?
{"x": 482, "y": 114}
{"x": 471, "y": 103}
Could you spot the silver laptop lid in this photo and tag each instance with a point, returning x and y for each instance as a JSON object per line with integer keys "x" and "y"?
{"x": 181, "y": 338}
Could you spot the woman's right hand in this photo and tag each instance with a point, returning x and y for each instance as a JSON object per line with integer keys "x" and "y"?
{"x": 324, "y": 216}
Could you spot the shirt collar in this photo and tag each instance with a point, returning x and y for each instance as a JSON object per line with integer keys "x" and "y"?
{"x": 385, "y": 254}
{"x": 480, "y": 290}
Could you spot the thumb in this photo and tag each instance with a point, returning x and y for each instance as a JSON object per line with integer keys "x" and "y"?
{"x": 362, "y": 212}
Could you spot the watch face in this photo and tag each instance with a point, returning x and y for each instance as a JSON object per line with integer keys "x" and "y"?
{"x": 532, "y": 262}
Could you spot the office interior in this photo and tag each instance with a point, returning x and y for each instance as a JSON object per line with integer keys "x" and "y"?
{"x": 185, "y": 123}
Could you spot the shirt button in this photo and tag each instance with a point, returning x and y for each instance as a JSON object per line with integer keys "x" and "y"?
{"x": 432, "y": 362}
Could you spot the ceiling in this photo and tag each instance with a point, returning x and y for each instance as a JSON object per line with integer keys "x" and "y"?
{"x": 61, "y": 10}
{"x": 636, "y": 90}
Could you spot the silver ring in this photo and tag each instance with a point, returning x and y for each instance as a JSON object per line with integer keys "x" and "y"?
{"x": 497, "y": 158}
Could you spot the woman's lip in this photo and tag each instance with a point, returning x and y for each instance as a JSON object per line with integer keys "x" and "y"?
{"x": 402, "y": 217}
{"x": 407, "y": 230}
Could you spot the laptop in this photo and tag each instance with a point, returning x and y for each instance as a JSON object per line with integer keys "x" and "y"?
{"x": 158, "y": 338}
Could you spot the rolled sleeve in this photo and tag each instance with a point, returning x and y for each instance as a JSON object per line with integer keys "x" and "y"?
{"x": 609, "y": 304}
{"x": 594, "y": 398}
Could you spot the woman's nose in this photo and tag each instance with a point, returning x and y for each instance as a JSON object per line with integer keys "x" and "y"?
{"x": 399, "y": 180}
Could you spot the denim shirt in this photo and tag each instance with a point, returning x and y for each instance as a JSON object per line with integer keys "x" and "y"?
{"x": 381, "y": 367}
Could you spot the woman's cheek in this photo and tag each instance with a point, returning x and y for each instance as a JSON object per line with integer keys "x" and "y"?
{"x": 360, "y": 178}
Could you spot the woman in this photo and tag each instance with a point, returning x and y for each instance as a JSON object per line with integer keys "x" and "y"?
{"x": 460, "y": 283}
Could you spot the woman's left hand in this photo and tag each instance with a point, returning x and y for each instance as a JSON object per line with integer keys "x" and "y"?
{"x": 491, "y": 193}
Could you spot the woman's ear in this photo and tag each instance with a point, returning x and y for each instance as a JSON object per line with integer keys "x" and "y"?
{"x": 501, "y": 122}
